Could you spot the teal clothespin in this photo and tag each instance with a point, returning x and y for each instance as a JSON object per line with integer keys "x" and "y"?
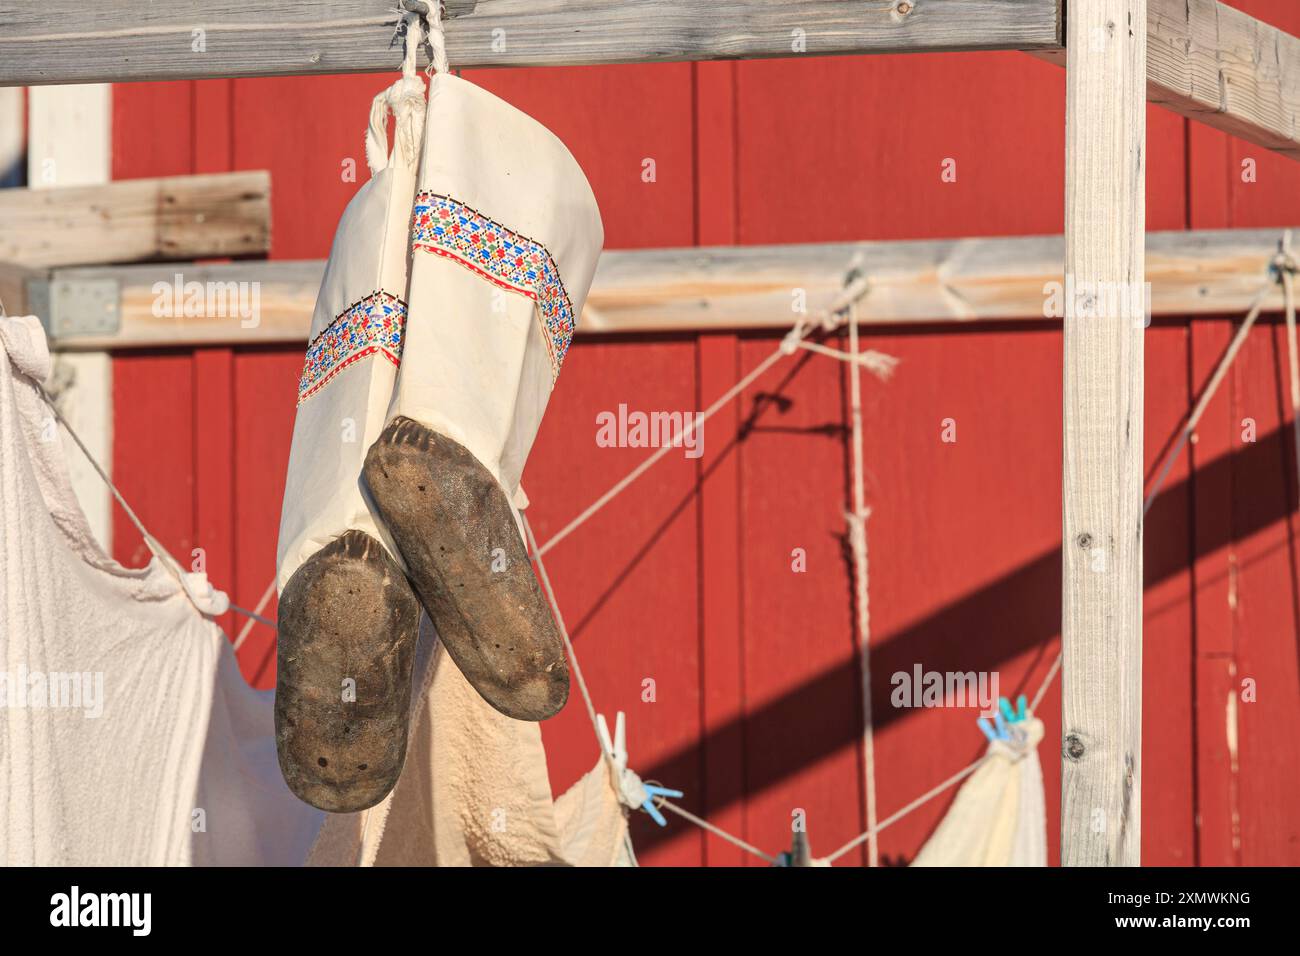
{"x": 1000, "y": 729}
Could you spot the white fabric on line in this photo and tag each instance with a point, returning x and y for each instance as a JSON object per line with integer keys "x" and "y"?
{"x": 998, "y": 817}
{"x": 174, "y": 764}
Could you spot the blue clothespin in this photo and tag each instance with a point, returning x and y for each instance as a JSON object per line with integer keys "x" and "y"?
{"x": 648, "y": 805}
{"x": 1000, "y": 729}
{"x": 632, "y": 791}
{"x": 986, "y": 729}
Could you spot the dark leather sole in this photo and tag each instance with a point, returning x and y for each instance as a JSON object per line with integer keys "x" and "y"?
{"x": 454, "y": 528}
{"x": 348, "y": 623}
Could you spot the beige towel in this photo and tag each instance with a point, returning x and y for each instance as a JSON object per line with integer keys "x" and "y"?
{"x": 998, "y": 817}
{"x": 174, "y": 763}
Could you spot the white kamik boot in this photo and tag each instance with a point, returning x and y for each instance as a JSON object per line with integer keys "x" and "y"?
{"x": 505, "y": 237}
{"x": 348, "y": 619}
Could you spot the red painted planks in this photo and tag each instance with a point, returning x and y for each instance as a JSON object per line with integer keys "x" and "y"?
{"x": 722, "y": 637}
{"x": 630, "y": 128}
{"x": 1248, "y": 625}
{"x": 153, "y": 457}
{"x": 626, "y": 580}
{"x": 265, "y": 398}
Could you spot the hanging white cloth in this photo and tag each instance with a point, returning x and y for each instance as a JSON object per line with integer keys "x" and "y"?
{"x": 152, "y": 750}
{"x": 998, "y": 817}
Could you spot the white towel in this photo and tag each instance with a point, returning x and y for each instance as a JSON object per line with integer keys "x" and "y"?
{"x": 178, "y": 765}
{"x": 998, "y": 817}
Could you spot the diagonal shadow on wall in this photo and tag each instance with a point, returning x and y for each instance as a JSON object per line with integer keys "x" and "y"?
{"x": 1016, "y": 613}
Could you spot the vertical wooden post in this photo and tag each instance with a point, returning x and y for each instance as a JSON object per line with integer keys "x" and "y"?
{"x": 70, "y": 143}
{"x": 1105, "y": 222}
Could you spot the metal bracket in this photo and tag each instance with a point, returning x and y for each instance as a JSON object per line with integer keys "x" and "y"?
{"x": 69, "y": 307}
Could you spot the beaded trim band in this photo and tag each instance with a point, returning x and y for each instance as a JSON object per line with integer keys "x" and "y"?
{"x": 373, "y": 325}
{"x": 449, "y": 228}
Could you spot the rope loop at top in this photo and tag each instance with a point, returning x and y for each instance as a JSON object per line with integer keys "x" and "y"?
{"x": 432, "y": 12}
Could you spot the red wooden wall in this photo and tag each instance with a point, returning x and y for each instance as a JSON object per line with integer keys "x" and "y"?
{"x": 687, "y": 579}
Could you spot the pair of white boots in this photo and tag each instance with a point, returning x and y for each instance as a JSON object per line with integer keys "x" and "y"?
{"x": 449, "y": 299}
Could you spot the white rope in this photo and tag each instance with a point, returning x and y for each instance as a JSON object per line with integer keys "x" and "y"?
{"x": 878, "y": 363}
{"x": 895, "y": 817}
{"x": 660, "y": 802}
{"x": 1211, "y": 387}
{"x": 857, "y": 521}
{"x": 432, "y": 12}
{"x": 437, "y": 39}
{"x": 254, "y": 616}
{"x": 861, "y": 360}
{"x": 155, "y": 547}
{"x": 716, "y": 831}
{"x": 564, "y": 631}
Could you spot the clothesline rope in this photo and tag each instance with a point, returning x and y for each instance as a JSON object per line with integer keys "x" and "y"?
{"x": 716, "y": 831}
{"x": 155, "y": 546}
{"x": 255, "y": 616}
{"x": 857, "y": 521}
{"x": 880, "y": 364}
{"x": 1285, "y": 267}
{"x": 564, "y": 631}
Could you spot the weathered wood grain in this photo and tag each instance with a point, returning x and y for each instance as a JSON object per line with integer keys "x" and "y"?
{"x": 1218, "y": 65}
{"x": 123, "y": 40}
{"x": 745, "y": 287}
{"x": 1101, "y": 628}
{"x": 1222, "y": 67}
{"x": 182, "y": 217}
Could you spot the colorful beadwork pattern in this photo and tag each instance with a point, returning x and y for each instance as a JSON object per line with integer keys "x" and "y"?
{"x": 448, "y": 228}
{"x": 371, "y": 326}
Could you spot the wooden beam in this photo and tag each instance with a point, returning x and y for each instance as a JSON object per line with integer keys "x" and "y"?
{"x": 124, "y": 40}
{"x": 1213, "y": 63}
{"x": 183, "y": 217}
{"x": 718, "y": 289}
{"x": 1219, "y": 66}
{"x": 1101, "y": 628}
{"x": 14, "y": 283}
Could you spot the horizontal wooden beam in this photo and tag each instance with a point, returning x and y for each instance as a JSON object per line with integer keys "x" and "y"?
{"x": 685, "y": 290}
{"x": 124, "y": 40}
{"x": 1213, "y": 63}
{"x": 132, "y": 220}
{"x": 1216, "y": 65}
